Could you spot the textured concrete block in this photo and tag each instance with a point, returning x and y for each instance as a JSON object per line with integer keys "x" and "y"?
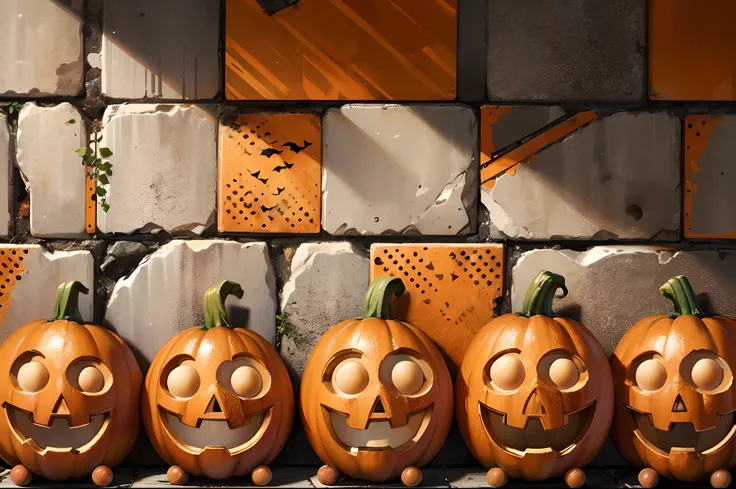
{"x": 610, "y": 289}
{"x": 571, "y": 50}
{"x": 710, "y": 176}
{"x": 590, "y": 177}
{"x": 269, "y": 173}
{"x": 165, "y": 168}
{"x": 471, "y": 50}
{"x": 341, "y": 50}
{"x": 53, "y": 172}
{"x": 399, "y": 170}
{"x": 164, "y": 294}
{"x": 451, "y": 288}
{"x": 166, "y": 49}
{"x": 5, "y": 209}
{"x": 41, "y": 48}
{"x": 29, "y": 279}
{"x": 327, "y": 284}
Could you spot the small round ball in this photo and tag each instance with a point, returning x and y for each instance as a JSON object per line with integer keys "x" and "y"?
{"x": 507, "y": 372}
{"x": 351, "y": 378}
{"x": 575, "y": 478}
{"x": 20, "y": 475}
{"x": 177, "y": 476}
{"x": 407, "y": 377}
{"x": 91, "y": 379}
{"x": 564, "y": 373}
{"x": 648, "y": 478}
{"x": 246, "y": 381}
{"x": 411, "y": 476}
{"x": 102, "y": 476}
{"x": 496, "y": 477}
{"x": 327, "y": 475}
{"x": 650, "y": 375}
{"x": 720, "y": 479}
{"x": 183, "y": 381}
{"x": 707, "y": 374}
{"x": 261, "y": 475}
{"x": 32, "y": 376}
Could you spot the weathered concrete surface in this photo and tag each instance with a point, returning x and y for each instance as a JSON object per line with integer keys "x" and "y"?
{"x": 471, "y": 50}
{"x": 164, "y": 294}
{"x": 166, "y": 49}
{"x": 53, "y": 172}
{"x": 41, "y": 48}
{"x": 165, "y": 168}
{"x": 618, "y": 177}
{"x": 327, "y": 284}
{"x": 390, "y": 169}
{"x": 5, "y": 209}
{"x": 566, "y": 50}
{"x": 516, "y": 123}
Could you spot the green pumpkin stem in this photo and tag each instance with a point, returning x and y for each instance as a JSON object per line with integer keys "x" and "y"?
{"x": 377, "y": 303}
{"x": 681, "y": 293}
{"x": 67, "y": 302}
{"x": 214, "y": 303}
{"x": 541, "y": 292}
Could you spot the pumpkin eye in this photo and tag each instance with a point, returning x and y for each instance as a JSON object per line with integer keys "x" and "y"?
{"x": 407, "y": 377}
{"x": 651, "y": 375}
{"x": 707, "y": 374}
{"x": 564, "y": 373}
{"x": 183, "y": 381}
{"x": 246, "y": 381}
{"x": 32, "y": 376}
{"x": 91, "y": 379}
{"x": 350, "y": 377}
{"x": 507, "y": 372}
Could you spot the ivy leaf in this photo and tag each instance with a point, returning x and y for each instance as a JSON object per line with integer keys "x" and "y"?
{"x": 105, "y": 152}
{"x": 108, "y": 172}
{"x": 99, "y": 138}
{"x": 103, "y": 179}
{"x": 11, "y": 108}
{"x": 70, "y": 122}
{"x": 89, "y": 159}
{"x": 105, "y": 206}
{"x": 105, "y": 166}
{"x": 83, "y": 151}
{"x": 101, "y": 191}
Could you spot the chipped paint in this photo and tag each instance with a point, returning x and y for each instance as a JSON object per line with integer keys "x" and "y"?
{"x": 90, "y": 210}
{"x": 489, "y": 115}
{"x": 12, "y": 270}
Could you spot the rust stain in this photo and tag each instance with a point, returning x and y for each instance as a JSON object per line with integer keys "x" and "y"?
{"x": 691, "y": 50}
{"x": 489, "y": 115}
{"x": 697, "y": 133}
{"x": 508, "y": 162}
{"x": 342, "y": 49}
{"x": 269, "y": 174}
{"x": 451, "y": 289}
{"x": 90, "y": 211}
{"x": 12, "y": 268}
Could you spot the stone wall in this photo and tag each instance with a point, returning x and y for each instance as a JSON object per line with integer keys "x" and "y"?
{"x": 303, "y": 147}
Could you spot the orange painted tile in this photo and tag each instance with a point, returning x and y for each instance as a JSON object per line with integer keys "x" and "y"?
{"x": 489, "y": 115}
{"x": 90, "y": 210}
{"x": 342, "y": 49}
{"x": 451, "y": 288}
{"x": 691, "y": 50}
{"x": 11, "y": 270}
{"x": 269, "y": 174}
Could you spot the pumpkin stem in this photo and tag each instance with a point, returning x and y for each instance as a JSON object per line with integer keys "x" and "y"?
{"x": 681, "y": 293}
{"x": 67, "y": 302}
{"x": 377, "y": 303}
{"x": 541, "y": 291}
{"x": 214, "y": 303}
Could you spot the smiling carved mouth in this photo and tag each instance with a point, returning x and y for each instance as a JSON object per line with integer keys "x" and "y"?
{"x": 378, "y": 435}
{"x": 58, "y": 436}
{"x": 682, "y": 436}
{"x": 534, "y": 438}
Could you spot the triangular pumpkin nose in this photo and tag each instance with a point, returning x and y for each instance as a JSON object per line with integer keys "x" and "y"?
{"x": 378, "y": 407}
{"x": 61, "y": 409}
{"x": 533, "y": 405}
{"x": 679, "y": 406}
{"x": 213, "y": 406}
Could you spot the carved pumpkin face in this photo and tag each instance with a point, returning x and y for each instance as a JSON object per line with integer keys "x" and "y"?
{"x": 674, "y": 390}
{"x": 218, "y": 400}
{"x": 376, "y": 394}
{"x": 534, "y": 394}
{"x": 70, "y": 402}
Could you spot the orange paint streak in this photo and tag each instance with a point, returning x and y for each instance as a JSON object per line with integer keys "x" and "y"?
{"x": 489, "y": 115}
{"x": 13, "y": 267}
{"x": 90, "y": 210}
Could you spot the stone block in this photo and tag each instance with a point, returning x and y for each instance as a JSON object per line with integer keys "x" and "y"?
{"x": 472, "y": 50}
{"x": 164, "y": 294}
{"x": 269, "y": 173}
{"x": 41, "y": 53}
{"x": 590, "y": 177}
{"x": 164, "y": 49}
{"x": 53, "y": 173}
{"x": 570, "y": 50}
{"x": 399, "y": 170}
{"x": 165, "y": 168}
{"x": 5, "y": 209}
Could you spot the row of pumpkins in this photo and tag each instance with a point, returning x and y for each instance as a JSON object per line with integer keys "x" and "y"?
{"x": 535, "y": 396}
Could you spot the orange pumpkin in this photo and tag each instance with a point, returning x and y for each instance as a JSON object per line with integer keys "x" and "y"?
{"x": 218, "y": 401}
{"x": 376, "y": 394}
{"x": 675, "y": 400}
{"x": 534, "y": 395}
{"x": 70, "y": 399}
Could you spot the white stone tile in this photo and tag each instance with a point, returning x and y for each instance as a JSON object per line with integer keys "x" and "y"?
{"x": 167, "y": 49}
{"x": 165, "y": 168}
{"x": 390, "y": 169}
{"x": 53, "y": 172}
{"x": 41, "y": 48}
{"x": 164, "y": 295}
{"x": 5, "y": 204}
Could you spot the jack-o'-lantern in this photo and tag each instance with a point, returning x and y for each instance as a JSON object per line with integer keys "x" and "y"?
{"x": 217, "y": 400}
{"x": 70, "y": 396}
{"x": 675, "y": 400}
{"x": 534, "y": 395}
{"x": 376, "y": 394}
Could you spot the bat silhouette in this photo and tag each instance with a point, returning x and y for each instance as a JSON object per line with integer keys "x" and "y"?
{"x": 268, "y": 152}
{"x": 295, "y": 147}
{"x": 287, "y": 166}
